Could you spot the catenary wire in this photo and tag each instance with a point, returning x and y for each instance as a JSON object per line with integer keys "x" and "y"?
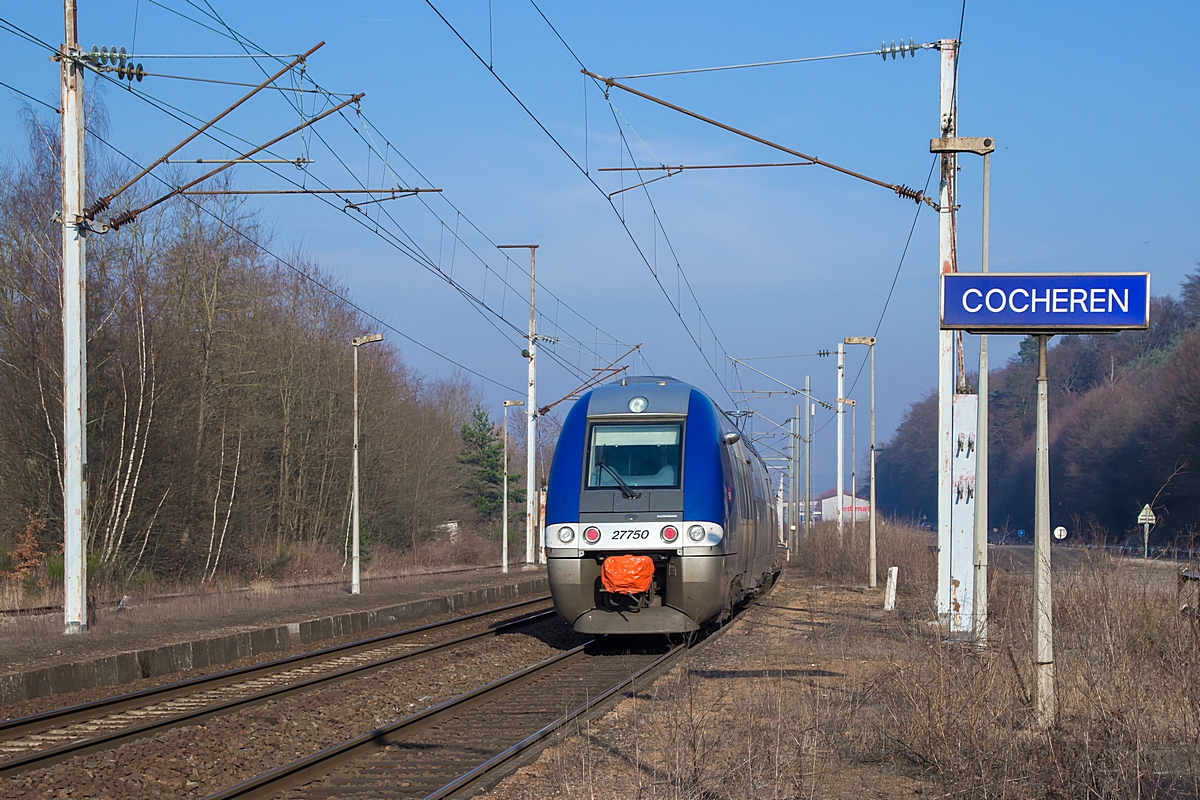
{"x": 578, "y": 166}
{"x": 243, "y": 41}
{"x": 304, "y": 275}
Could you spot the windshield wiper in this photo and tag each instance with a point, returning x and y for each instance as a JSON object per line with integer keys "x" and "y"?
{"x": 626, "y": 490}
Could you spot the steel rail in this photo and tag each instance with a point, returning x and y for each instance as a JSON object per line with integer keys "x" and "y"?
{"x": 317, "y": 765}
{"x": 498, "y": 762}
{"x": 111, "y": 739}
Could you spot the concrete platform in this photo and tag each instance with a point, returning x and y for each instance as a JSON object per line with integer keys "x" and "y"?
{"x": 133, "y": 665}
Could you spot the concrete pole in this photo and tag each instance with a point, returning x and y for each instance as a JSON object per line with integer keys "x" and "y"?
{"x": 357, "y": 342}
{"x": 355, "y": 586}
{"x": 980, "y": 598}
{"x": 1043, "y": 625}
{"x": 946, "y": 263}
{"x": 841, "y": 438}
{"x": 872, "y": 580}
{"x": 790, "y": 523}
{"x": 808, "y": 415}
{"x": 853, "y": 472}
{"x": 797, "y": 491}
{"x": 531, "y": 408}
{"x": 74, "y": 311}
{"x": 504, "y": 512}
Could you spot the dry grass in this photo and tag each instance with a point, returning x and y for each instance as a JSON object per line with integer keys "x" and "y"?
{"x": 822, "y": 694}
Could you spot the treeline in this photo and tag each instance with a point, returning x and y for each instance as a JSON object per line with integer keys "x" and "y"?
{"x": 219, "y": 394}
{"x": 1124, "y": 432}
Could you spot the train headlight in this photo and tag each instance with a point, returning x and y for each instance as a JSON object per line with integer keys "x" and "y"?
{"x": 638, "y": 404}
{"x": 566, "y": 535}
{"x": 591, "y": 535}
{"x": 669, "y": 533}
{"x": 696, "y": 533}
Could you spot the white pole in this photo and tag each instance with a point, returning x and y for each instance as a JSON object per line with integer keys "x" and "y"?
{"x": 979, "y": 601}
{"x": 946, "y": 263}
{"x": 531, "y": 436}
{"x": 841, "y": 437}
{"x": 355, "y": 586}
{"x": 872, "y": 580}
{"x": 1043, "y": 630}
{"x": 853, "y": 471}
{"x": 74, "y": 310}
{"x": 504, "y": 523}
{"x": 809, "y": 410}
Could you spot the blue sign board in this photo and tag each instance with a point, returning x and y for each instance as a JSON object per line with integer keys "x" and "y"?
{"x": 1021, "y": 532}
{"x": 1075, "y": 302}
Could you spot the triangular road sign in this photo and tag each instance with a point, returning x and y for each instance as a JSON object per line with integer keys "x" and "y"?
{"x": 1146, "y": 517}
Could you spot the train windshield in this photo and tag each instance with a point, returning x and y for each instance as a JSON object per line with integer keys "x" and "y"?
{"x": 640, "y": 455}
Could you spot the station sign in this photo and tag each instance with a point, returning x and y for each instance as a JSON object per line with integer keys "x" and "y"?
{"x": 1052, "y": 303}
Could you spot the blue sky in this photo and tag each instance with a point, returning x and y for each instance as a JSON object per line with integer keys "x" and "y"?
{"x": 1094, "y": 107}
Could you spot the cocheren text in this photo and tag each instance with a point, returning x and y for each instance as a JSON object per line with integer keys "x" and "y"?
{"x": 1054, "y": 301}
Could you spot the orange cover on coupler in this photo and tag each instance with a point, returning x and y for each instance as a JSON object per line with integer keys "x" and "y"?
{"x": 627, "y": 574}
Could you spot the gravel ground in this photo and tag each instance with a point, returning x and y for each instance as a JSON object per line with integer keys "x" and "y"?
{"x": 33, "y": 642}
{"x": 50, "y": 702}
{"x": 197, "y": 760}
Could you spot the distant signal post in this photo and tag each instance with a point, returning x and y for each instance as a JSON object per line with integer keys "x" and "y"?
{"x": 1044, "y": 305}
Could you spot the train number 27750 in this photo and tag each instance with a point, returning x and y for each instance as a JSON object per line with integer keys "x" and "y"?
{"x": 634, "y": 534}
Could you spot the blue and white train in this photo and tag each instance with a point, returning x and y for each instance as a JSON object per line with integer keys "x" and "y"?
{"x": 649, "y": 472}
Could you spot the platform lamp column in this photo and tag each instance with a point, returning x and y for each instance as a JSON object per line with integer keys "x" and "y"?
{"x": 504, "y": 521}
{"x": 809, "y": 410}
{"x": 980, "y": 600}
{"x": 869, "y": 341}
{"x": 853, "y": 471}
{"x": 983, "y": 146}
{"x": 841, "y": 437}
{"x": 357, "y": 342}
{"x": 531, "y": 409}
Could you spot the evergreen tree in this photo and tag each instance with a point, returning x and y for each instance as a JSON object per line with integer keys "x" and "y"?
{"x": 484, "y": 458}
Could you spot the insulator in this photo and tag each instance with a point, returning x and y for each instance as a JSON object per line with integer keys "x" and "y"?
{"x": 141, "y": 73}
{"x": 121, "y": 219}
{"x": 104, "y": 54}
{"x": 95, "y": 54}
{"x": 910, "y": 194}
{"x": 121, "y": 70}
{"x": 883, "y": 50}
{"x": 121, "y": 55}
{"x": 95, "y": 208}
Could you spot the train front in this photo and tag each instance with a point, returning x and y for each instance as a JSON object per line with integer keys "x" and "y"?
{"x": 636, "y": 510}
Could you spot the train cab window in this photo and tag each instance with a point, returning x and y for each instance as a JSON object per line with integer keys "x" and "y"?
{"x": 646, "y": 456}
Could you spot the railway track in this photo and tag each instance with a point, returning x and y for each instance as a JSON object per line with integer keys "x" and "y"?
{"x": 467, "y": 741}
{"x": 43, "y": 739}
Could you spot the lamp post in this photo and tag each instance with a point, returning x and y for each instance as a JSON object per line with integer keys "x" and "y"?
{"x": 869, "y": 341}
{"x": 357, "y": 341}
{"x": 843, "y": 402}
{"x": 531, "y": 409}
{"x": 841, "y": 437}
{"x": 504, "y": 535}
{"x": 982, "y": 146}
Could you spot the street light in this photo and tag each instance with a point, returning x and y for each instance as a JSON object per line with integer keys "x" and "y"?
{"x": 869, "y": 341}
{"x": 981, "y": 146}
{"x": 531, "y": 411}
{"x": 357, "y": 341}
{"x": 504, "y": 536}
